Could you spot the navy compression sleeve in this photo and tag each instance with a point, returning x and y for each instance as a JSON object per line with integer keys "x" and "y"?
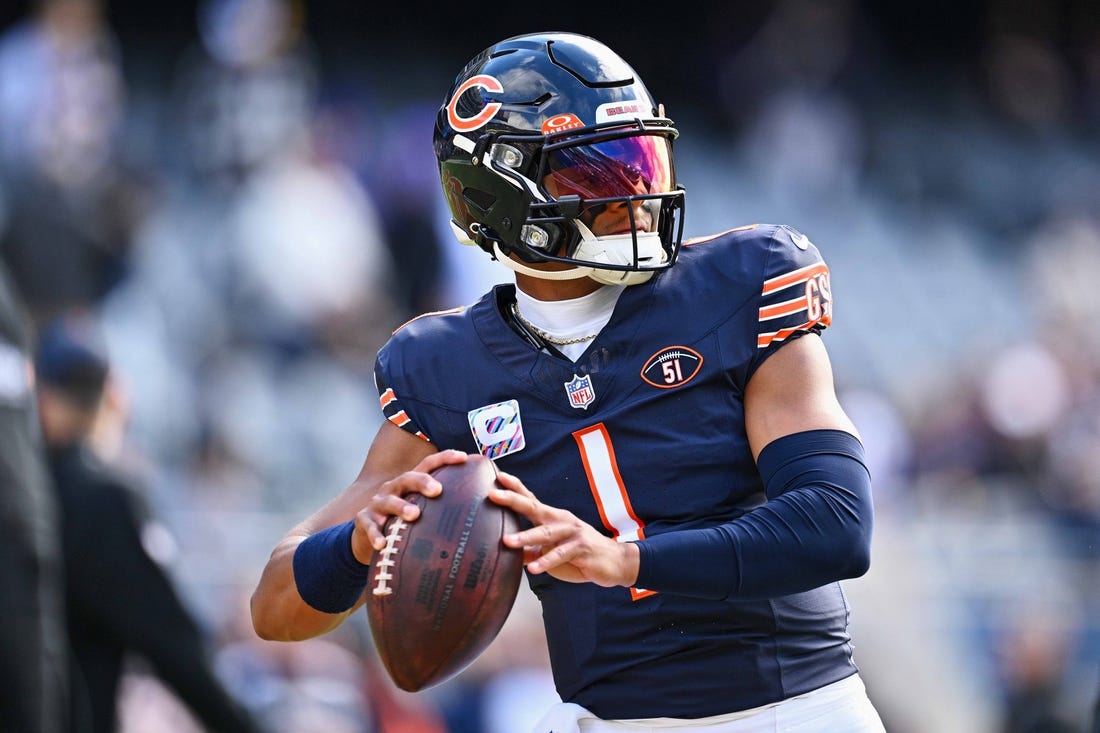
{"x": 814, "y": 529}
{"x": 326, "y": 572}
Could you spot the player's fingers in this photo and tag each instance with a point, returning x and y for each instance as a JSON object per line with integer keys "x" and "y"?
{"x": 370, "y": 529}
{"x": 512, "y": 483}
{"x": 442, "y": 458}
{"x": 374, "y": 536}
{"x": 528, "y": 505}
{"x": 411, "y": 482}
{"x": 531, "y": 552}
{"x": 558, "y": 555}
{"x": 544, "y": 535}
{"x": 383, "y": 506}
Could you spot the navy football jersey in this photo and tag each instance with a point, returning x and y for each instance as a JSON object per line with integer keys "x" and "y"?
{"x": 643, "y": 434}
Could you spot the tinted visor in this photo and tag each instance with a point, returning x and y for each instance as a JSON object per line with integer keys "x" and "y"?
{"x": 626, "y": 166}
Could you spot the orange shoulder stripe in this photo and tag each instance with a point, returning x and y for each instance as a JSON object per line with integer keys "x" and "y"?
{"x": 764, "y": 340}
{"x": 399, "y": 418}
{"x": 786, "y": 308}
{"x": 794, "y": 277}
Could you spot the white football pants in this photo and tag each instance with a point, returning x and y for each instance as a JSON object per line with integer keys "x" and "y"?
{"x": 842, "y": 707}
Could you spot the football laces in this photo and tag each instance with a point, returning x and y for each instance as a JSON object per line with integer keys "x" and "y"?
{"x": 383, "y": 576}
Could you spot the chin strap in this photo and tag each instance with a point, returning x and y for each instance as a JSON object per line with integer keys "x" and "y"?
{"x": 574, "y": 274}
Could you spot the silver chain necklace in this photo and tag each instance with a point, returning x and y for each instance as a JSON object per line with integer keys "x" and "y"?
{"x": 547, "y": 337}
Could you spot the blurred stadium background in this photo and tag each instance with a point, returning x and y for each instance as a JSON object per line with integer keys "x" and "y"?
{"x": 243, "y": 195}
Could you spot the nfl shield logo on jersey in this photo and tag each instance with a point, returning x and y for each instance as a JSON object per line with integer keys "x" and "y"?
{"x": 580, "y": 391}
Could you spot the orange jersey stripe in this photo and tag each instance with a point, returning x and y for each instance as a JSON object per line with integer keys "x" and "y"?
{"x": 795, "y": 277}
{"x": 387, "y": 397}
{"x": 401, "y": 420}
{"x": 766, "y": 339}
{"x": 786, "y": 308}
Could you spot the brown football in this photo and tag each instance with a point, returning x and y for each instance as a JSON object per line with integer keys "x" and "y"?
{"x": 443, "y": 586}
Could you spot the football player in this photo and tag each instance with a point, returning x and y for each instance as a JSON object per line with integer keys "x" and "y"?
{"x": 664, "y": 413}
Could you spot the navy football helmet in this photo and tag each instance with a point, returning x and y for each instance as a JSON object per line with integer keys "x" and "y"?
{"x": 541, "y": 133}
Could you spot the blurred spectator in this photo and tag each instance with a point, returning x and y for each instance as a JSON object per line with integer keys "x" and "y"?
{"x": 311, "y": 259}
{"x": 324, "y": 685}
{"x": 247, "y": 90}
{"x": 33, "y": 662}
{"x": 886, "y": 438}
{"x": 70, "y": 204}
{"x": 396, "y": 711}
{"x": 1034, "y": 662}
{"x": 120, "y": 600}
{"x": 317, "y": 689}
{"x": 406, "y": 186}
{"x": 802, "y": 138}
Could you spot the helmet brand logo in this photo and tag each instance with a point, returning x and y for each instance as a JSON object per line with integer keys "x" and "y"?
{"x": 469, "y": 124}
{"x": 560, "y": 123}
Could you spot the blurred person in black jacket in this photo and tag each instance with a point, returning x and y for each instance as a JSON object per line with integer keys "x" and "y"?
{"x": 119, "y": 598}
{"x": 1095, "y": 725}
{"x": 33, "y": 681}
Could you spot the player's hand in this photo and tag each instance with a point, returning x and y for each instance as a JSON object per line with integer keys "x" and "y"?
{"x": 561, "y": 544}
{"x": 389, "y": 501}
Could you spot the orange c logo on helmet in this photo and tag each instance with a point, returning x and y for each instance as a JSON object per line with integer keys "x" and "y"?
{"x": 469, "y": 124}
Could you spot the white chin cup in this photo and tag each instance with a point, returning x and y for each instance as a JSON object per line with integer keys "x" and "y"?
{"x": 618, "y": 249}
{"x": 614, "y": 249}
{"x": 575, "y": 273}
